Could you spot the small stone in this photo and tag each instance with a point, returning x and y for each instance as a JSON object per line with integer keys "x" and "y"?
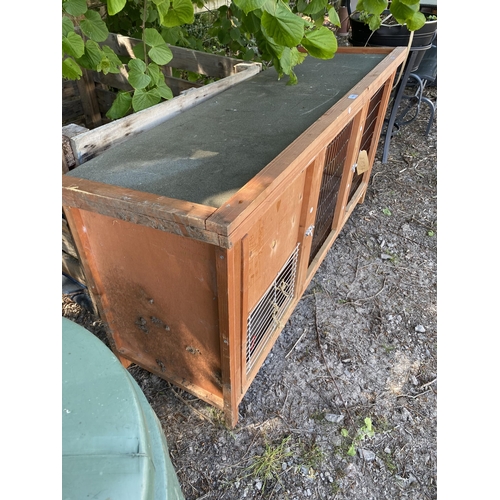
{"x": 387, "y": 450}
{"x": 386, "y": 256}
{"x": 366, "y": 454}
{"x": 336, "y": 419}
{"x": 420, "y": 329}
{"x": 258, "y": 485}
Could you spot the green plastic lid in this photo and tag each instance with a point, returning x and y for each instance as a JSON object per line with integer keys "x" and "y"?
{"x": 113, "y": 446}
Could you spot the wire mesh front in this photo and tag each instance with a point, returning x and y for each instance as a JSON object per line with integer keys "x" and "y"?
{"x": 330, "y": 184}
{"x": 267, "y": 314}
{"x": 366, "y": 139}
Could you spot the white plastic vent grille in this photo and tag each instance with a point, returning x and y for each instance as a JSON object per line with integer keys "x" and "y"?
{"x": 267, "y": 314}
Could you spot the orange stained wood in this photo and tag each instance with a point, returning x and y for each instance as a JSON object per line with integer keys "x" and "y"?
{"x": 306, "y": 146}
{"x": 158, "y": 295}
{"x": 228, "y": 263}
{"x": 273, "y": 233}
{"x": 158, "y": 212}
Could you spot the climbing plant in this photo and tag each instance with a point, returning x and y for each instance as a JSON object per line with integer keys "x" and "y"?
{"x": 404, "y": 11}
{"x": 281, "y": 33}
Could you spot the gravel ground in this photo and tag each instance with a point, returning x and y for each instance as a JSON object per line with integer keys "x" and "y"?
{"x": 345, "y": 406}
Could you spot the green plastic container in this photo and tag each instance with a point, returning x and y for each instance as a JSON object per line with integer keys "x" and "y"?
{"x": 113, "y": 446}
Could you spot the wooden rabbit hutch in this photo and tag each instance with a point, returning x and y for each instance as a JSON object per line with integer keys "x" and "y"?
{"x": 86, "y": 130}
{"x": 199, "y": 236}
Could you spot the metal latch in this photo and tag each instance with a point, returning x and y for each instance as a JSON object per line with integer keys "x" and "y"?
{"x": 310, "y": 230}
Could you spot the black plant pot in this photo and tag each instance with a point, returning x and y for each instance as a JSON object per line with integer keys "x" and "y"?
{"x": 391, "y": 35}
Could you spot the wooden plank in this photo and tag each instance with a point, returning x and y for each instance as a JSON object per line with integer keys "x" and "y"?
{"x": 68, "y": 245}
{"x": 69, "y": 89}
{"x": 376, "y": 132}
{"x": 72, "y": 267}
{"x": 94, "y": 142}
{"x": 187, "y": 59}
{"x": 65, "y": 168}
{"x": 308, "y": 145}
{"x": 352, "y": 154}
{"x": 159, "y": 212}
{"x": 73, "y": 216}
{"x": 69, "y": 131}
{"x": 178, "y": 85}
{"x": 139, "y": 274}
{"x": 91, "y": 111}
{"x": 72, "y": 111}
{"x": 229, "y": 298}
{"x": 312, "y": 187}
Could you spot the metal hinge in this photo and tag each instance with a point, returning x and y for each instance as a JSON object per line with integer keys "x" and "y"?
{"x": 310, "y": 230}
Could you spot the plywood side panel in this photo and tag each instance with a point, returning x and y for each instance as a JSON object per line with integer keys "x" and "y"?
{"x": 272, "y": 238}
{"x": 159, "y": 297}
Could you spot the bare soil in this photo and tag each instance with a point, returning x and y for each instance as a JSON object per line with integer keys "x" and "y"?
{"x": 361, "y": 344}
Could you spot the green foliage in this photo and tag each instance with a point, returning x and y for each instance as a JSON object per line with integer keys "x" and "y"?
{"x": 279, "y": 33}
{"x": 404, "y": 11}
{"x": 363, "y": 432}
{"x": 268, "y": 466}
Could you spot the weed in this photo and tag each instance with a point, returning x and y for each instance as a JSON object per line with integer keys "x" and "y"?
{"x": 312, "y": 455}
{"x": 268, "y": 466}
{"x": 365, "y": 431}
{"x": 386, "y": 211}
{"x": 389, "y": 462}
{"x": 388, "y": 348}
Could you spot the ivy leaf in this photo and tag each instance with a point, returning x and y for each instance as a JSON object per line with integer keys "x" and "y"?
{"x": 145, "y": 99}
{"x": 283, "y": 26}
{"x": 115, "y": 6}
{"x": 248, "y": 5}
{"x": 407, "y": 14}
{"x": 320, "y": 43}
{"x": 374, "y": 7}
{"x": 75, "y": 8}
{"x": 137, "y": 76}
{"x": 70, "y": 69}
{"x": 153, "y": 38}
{"x": 293, "y": 79}
{"x": 409, "y": 2}
{"x": 333, "y": 15}
{"x": 94, "y": 27}
{"x": 416, "y": 22}
{"x": 291, "y": 57}
{"x": 162, "y": 7}
{"x": 67, "y": 26}
{"x": 121, "y": 106}
{"x": 73, "y": 45}
{"x": 164, "y": 90}
{"x": 160, "y": 52}
{"x": 180, "y": 12}
{"x": 315, "y": 6}
{"x": 137, "y": 65}
{"x": 92, "y": 57}
{"x": 116, "y": 64}
{"x": 301, "y": 5}
{"x": 155, "y": 73}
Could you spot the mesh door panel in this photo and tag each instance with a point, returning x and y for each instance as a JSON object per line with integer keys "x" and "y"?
{"x": 366, "y": 139}
{"x": 330, "y": 184}
{"x": 266, "y": 315}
